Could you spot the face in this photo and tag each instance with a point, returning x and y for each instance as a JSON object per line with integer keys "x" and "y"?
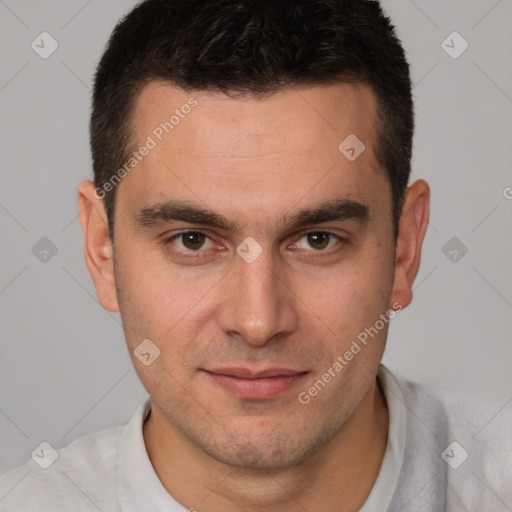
{"x": 253, "y": 304}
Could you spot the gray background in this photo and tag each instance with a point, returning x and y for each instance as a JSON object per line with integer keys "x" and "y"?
{"x": 64, "y": 367}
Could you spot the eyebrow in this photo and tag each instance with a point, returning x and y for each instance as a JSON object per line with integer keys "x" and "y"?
{"x": 334, "y": 210}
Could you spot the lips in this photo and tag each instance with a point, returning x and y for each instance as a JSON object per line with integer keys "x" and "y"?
{"x": 246, "y": 373}
{"x": 252, "y": 384}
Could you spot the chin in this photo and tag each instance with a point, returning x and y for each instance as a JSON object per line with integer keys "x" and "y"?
{"x": 275, "y": 452}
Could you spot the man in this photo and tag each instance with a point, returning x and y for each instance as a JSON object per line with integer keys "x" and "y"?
{"x": 251, "y": 220}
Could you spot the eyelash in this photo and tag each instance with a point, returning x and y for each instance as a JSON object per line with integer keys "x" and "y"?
{"x": 192, "y": 254}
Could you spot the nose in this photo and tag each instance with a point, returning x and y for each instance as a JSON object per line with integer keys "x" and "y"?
{"x": 258, "y": 303}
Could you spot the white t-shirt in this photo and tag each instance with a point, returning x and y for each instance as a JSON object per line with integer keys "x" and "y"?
{"x": 444, "y": 453}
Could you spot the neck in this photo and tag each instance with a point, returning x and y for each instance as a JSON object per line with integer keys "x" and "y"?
{"x": 338, "y": 476}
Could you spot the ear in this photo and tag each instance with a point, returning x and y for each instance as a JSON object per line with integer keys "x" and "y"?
{"x": 98, "y": 250}
{"x": 412, "y": 228}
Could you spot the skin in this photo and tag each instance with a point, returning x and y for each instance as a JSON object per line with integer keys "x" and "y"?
{"x": 298, "y": 305}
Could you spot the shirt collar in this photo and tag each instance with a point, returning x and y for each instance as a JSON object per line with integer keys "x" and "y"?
{"x": 139, "y": 488}
{"x": 384, "y": 488}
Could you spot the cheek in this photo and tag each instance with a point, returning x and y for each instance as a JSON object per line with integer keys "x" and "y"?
{"x": 160, "y": 303}
{"x": 353, "y": 299}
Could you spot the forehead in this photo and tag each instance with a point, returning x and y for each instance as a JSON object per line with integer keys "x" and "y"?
{"x": 220, "y": 149}
{"x": 282, "y": 121}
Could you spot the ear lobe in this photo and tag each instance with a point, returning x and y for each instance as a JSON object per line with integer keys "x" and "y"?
{"x": 98, "y": 250}
{"x": 412, "y": 228}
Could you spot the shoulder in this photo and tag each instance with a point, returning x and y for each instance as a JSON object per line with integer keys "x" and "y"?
{"x": 79, "y": 474}
{"x": 471, "y": 417}
{"x": 467, "y": 441}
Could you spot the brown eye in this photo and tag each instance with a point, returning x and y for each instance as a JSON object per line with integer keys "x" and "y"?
{"x": 193, "y": 240}
{"x": 190, "y": 241}
{"x": 318, "y": 240}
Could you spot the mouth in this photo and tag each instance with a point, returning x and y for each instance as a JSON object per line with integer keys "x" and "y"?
{"x": 255, "y": 384}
